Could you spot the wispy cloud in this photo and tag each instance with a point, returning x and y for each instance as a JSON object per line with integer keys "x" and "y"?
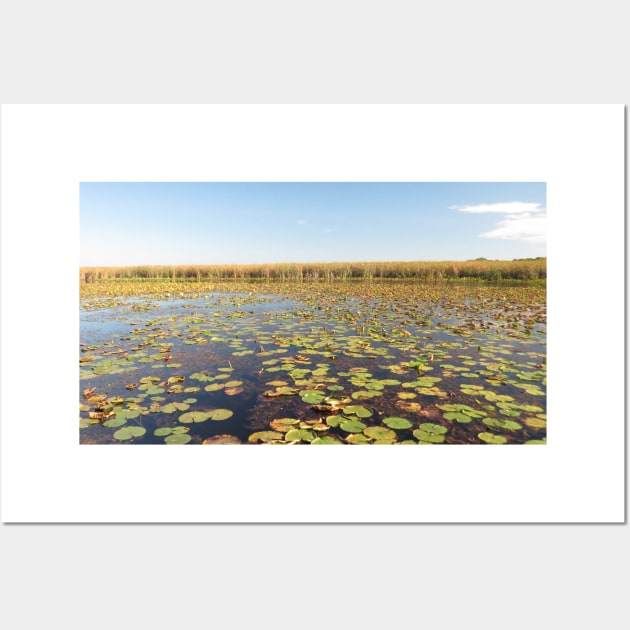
{"x": 302, "y": 222}
{"x": 522, "y": 221}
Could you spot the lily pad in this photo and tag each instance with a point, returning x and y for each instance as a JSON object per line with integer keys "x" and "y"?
{"x": 357, "y": 438}
{"x": 299, "y": 435}
{"x": 500, "y": 423}
{"x": 491, "y": 438}
{"x": 114, "y": 422}
{"x": 194, "y": 416}
{"x": 312, "y": 397}
{"x": 220, "y": 414}
{"x": 127, "y": 414}
{"x": 214, "y": 387}
{"x": 352, "y": 426}
{"x": 178, "y": 438}
{"x": 380, "y": 433}
{"x": 398, "y": 423}
{"x": 326, "y": 439}
{"x": 535, "y": 423}
{"x": 129, "y": 432}
{"x": 265, "y": 436}
{"x": 430, "y": 432}
{"x": 357, "y": 410}
{"x": 173, "y": 407}
{"x": 334, "y": 421}
{"x": 406, "y": 395}
{"x": 458, "y": 416}
{"x": 283, "y": 424}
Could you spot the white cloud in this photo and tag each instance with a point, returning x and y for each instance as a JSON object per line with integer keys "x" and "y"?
{"x": 522, "y": 221}
{"x": 509, "y": 207}
{"x": 302, "y": 222}
{"x": 532, "y": 229}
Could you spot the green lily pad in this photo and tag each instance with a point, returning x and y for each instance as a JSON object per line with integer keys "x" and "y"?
{"x": 333, "y": 421}
{"x": 178, "y": 438}
{"x": 198, "y": 376}
{"x": 500, "y": 423}
{"x": 214, "y": 387}
{"x": 380, "y": 433}
{"x": 115, "y": 422}
{"x": 127, "y": 414}
{"x": 458, "y": 416}
{"x": 299, "y": 435}
{"x": 374, "y": 385}
{"x": 194, "y": 416}
{"x": 220, "y": 414}
{"x": 150, "y": 379}
{"x": 358, "y": 410}
{"x": 430, "y": 432}
{"x": 398, "y": 423}
{"x": 535, "y": 423}
{"x": 312, "y": 397}
{"x": 326, "y": 439}
{"x": 357, "y": 438}
{"x": 352, "y": 426}
{"x": 512, "y": 413}
{"x": 491, "y": 438}
{"x": 173, "y": 407}
{"x": 129, "y": 432}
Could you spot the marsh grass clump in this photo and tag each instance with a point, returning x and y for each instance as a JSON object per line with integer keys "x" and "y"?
{"x": 486, "y": 270}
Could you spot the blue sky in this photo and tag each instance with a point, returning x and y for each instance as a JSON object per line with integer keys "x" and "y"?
{"x": 226, "y": 223}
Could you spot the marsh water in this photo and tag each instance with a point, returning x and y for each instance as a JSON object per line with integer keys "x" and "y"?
{"x": 350, "y": 364}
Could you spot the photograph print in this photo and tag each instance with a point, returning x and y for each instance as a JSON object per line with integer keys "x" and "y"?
{"x": 316, "y": 313}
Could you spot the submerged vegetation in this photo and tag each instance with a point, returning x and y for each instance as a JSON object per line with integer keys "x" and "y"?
{"x": 214, "y": 358}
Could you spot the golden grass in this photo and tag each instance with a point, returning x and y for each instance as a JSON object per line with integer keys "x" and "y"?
{"x": 525, "y": 269}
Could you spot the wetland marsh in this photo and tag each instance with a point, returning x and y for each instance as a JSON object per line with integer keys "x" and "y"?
{"x": 176, "y": 361}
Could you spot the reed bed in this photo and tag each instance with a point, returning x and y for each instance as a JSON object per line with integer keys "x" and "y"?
{"x": 491, "y": 270}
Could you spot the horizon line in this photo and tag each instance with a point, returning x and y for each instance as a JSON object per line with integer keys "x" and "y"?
{"x": 321, "y": 262}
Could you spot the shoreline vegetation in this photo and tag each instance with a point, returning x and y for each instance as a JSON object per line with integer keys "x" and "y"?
{"x": 477, "y": 270}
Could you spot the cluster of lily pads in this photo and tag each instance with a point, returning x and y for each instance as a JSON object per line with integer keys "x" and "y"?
{"x": 353, "y": 430}
{"x": 350, "y": 364}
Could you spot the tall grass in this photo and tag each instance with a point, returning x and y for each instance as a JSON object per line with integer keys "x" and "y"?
{"x": 523, "y": 269}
